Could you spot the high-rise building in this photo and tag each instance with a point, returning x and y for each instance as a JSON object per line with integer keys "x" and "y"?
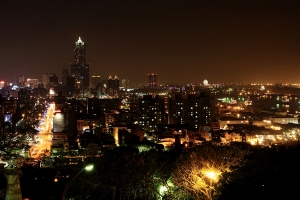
{"x": 20, "y": 81}
{"x": 95, "y": 81}
{"x": 152, "y": 80}
{"x": 64, "y": 75}
{"x": 96, "y": 86}
{"x": 45, "y": 79}
{"x": 113, "y": 84}
{"x": 97, "y": 107}
{"x": 49, "y": 80}
{"x": 125, "y": 84}
{"x": 194, "y": 110}
{"x": 80, "y": 70}
{"x": 8, "y": 106}
{"x": 70, "y": 86}
{"x": 24, "y": 95}
{"x": 32, "y": 82}
{"x": 151, "y": 112}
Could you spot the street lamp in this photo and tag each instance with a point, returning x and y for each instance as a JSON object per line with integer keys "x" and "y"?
{"x": 212, "y": 176}
{"x": 88, "y": 168}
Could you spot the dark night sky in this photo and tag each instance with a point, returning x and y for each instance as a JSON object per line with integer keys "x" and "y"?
{"x": 183, "y": 41}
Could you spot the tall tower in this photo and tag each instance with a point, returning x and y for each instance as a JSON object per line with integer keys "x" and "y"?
{"x": 152, "y": 80}
{"x": 79, "y": 69}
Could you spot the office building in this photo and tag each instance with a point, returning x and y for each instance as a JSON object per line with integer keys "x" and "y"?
{"x": 152, "y": 80}
{"x": 32, "y": 82}
{"x": 95, "y": 81}
{"x": 112, "y": 87}
{"x": 7, "y": 106}
{"x": 97, "y": 107}
{"x": 24, "y": 95}
{"x": 64, "y": 75}
{"x": 49, "y": 80}
{"x": 70, "y": 86}
{"x": 80, "y": 70}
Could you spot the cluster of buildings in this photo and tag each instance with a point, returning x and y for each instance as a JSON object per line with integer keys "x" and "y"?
{"x": 113, "y": 114}
{"x": 74, "y": 81}
{"x": 107, "y": 113}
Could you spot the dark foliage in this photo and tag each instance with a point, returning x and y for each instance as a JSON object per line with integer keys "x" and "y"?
{"x": 270, "y": 173}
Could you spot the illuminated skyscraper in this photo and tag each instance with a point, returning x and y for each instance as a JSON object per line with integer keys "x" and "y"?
{"x": 152, "y": 80}
{"x": 80, "y": 70}
{"x": 112, "y": 87}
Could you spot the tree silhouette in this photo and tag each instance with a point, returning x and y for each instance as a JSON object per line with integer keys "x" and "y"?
{"x": 199, "y": 170}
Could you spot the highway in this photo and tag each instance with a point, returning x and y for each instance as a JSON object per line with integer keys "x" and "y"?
{"x": 43, "y": 140}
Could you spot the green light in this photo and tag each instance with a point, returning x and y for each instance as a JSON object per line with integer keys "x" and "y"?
{"x": 89, "y": 167}
{"x": 162, "y": 189}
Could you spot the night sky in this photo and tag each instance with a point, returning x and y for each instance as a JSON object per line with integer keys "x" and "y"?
{"x": 183, "y": 41}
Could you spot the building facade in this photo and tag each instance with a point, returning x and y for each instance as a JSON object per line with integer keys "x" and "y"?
{"x": 152, "y": 80}
{"x": 49, "y": 80}
{"x": 113, "y": 85}
{"x": 20, "y": 81}
{"x": 32, "y": 82}
{"x": 193, "y": 110}
{"x": 70, "y": 86}
{"x": 80, "y": 70}
{"x": 64, "y": 75}
{"x": 151, "y": 112}
{"x": 95, "y": 81}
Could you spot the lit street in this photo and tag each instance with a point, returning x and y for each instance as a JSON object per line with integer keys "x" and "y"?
{"x": 43, "y": 140}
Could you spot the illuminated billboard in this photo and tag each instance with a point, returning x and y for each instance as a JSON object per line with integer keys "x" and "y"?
{"x": 58, "y": 122}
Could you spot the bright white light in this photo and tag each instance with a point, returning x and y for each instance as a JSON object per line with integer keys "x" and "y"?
{"x": 162, "y": 189}
{"x": 211, "y": 175}
{"x": 79, "y": 42}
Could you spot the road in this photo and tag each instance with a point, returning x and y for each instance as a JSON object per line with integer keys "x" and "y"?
{"x": 44, "y": 138}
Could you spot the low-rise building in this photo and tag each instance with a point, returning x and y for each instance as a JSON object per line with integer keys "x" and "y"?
{"x": 231, "y": 137}
{"x": 224, "y": 121}
{"x": 264, "y": 137}
{"x": 284, "y": 119}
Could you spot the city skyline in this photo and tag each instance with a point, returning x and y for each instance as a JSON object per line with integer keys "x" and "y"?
{"x": 182, "y": 42}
